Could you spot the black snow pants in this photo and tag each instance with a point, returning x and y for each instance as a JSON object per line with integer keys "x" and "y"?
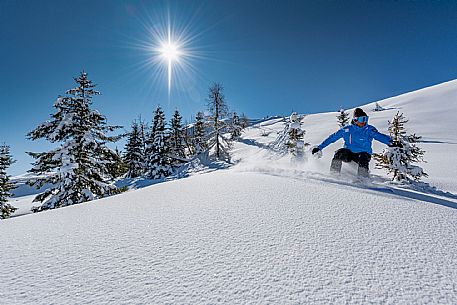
{"x": 346, "y": 155}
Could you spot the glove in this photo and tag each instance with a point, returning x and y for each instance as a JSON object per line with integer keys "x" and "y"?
{"x": 315, "y": 150}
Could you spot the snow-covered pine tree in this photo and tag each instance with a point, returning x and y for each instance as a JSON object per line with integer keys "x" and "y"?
{"x": 118, "y": 168}
{"x": 279, "y": 144}
{"x": 378, "y": 107}
{"x": 143, "y": 134}
{"x": 235, "y": 126}
{"x": 177, "y": 142}
{"x": 295, "y": 134}
{"x": 218, "y": 110}
{"x": 199, "y": 134}
{"x": 134, "y": 154}
{"x": 78, "y": 169}
{"x": 343, "y": 118}
{"x": 6, "y": 209}
{"x": 399, "y": 160}
{"x": 159, "y": 165}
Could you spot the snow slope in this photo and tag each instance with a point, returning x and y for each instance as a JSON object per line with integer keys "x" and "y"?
{"x": 267, "y": 230}
{"x": 234, "y": 238}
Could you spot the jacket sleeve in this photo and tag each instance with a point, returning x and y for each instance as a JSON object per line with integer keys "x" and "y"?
{"x": 383, "y": 138}
{"x": 331, "y": 139}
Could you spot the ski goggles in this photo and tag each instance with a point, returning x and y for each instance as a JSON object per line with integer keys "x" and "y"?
{"x": 360, "y": 120}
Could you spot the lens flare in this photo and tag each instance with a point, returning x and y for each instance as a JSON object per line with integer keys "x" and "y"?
{"x": 170, "y": 52}
{"x": 170, "y": 46}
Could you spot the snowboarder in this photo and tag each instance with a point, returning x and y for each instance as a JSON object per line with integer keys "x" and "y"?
{"x": 358, "y": 137}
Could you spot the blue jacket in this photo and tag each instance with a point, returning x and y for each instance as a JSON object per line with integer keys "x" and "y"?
{"x": 357, "y": 139}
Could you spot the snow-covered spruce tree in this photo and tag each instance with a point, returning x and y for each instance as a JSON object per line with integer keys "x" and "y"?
{"x": 199, "y": 134}
{"x": 235, "y": 126}
{"x": 157, "y": 149}
{"x": 78, "y": 169}
{"x": 177, "y": 141}
{"x": 295, "y": 142}
{"x": 134, "y": 153}
{"x": 188, "y": 144}
{"x": 6, "y": 209}
{"x": 117, "y": 168}
{"x": 143, "y": 135}
{"x": 218, "y": 110}
{"x": 378, "y": 107}
{"x": 399, "y": 160}
{"x": 343, "y": 118}
{"x": 279, "y": 144}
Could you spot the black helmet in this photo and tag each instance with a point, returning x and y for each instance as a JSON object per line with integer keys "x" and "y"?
{"x": 360, "y": 117}
{"x": 358, "y": 112}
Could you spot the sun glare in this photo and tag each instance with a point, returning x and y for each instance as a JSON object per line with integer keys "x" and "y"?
{"x": 170, "y": 51}
{"x": 170, "y": 48}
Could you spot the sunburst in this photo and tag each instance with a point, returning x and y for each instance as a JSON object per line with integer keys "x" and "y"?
{"x": 169, "y": 51}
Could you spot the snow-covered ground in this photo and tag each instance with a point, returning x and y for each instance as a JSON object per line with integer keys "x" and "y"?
{"x": 267, "y": 230}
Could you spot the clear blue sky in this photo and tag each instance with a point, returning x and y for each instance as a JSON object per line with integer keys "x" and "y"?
{"x": 272, "y": 56}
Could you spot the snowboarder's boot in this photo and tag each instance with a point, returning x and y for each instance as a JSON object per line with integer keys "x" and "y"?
{"x": 363, "y": 161}
{"x": 341, "y": 155}
{"x": 335, "y": 167}
{"x": 363, "y": 171}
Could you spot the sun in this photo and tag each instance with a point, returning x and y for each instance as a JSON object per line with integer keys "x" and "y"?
{"x": 171, "y": 46}
{"x": 170, "y": 51}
